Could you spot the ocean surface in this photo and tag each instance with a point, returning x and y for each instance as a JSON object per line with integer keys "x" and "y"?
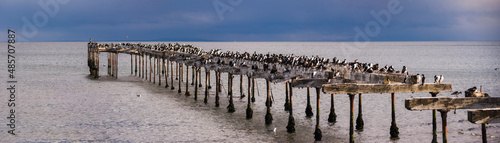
{"x": 56, "y": 101}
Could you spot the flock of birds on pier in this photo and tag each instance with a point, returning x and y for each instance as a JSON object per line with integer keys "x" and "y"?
{"x": 313, "y": 62}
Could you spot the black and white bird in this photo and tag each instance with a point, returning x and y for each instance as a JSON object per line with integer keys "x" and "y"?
{"x": 456, "y": 93}
{"x": 441, "y": 78}
{"x": 418, "y": 78}
{"x": 436, "y": 79}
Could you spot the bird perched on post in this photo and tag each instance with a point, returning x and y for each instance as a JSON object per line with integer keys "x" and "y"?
{"x": 404, "y": 70}
{"x": 418, "y": 78}
{"x": 423, "y": 79}
{"x": 441, "y": 78}
{"x": 436, "y": 79}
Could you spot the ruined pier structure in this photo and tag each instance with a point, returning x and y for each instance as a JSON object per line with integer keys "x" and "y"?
{"x": 333, "y": 77}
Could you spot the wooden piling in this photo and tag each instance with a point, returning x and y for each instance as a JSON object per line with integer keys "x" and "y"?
{"x": 359, "y": 121}
{"x": 249, "y": 105}
{"x": 444, "y": 114}
{"x": 143, "y": 65}
{"x": 209, "y": 85}
{"x": 146, "y": 66}
{"x": 242, "y": 95}
{"x": 317, "y": 133}
{"x": 135, "y": 64}
{"x": 287, "y": 103}
{"x": 394, "y": 128}
{"x": 109, "y": 63}
{"x": 177, "y": 71}
{"x": 131, "y": 64}
{"x": 150, "y": 68}
{"x": 160, "y": 69}
{"x": 179, "y": 65}
{"x": 187, "y": 81}
{"x": 199, "y": 77}
{"x": 483, "y": 133}
{"x": 230, "y": 107}
{"x": 351, "y": 115}
{"x": 434, "y": 126}
{"x": 219, "y": 89}
{"x": 171, "y": 75}
{"x": 269, "y": 116}
{"x": 154, "y": 69}
{"x": 196, "y": 83}
{"x": 165, "y": 67}
{"x": 253, "y": 89}
{"x": 217, "y": 86}
{"x": 192, "y": 75}
{"x": 308, "y": 111}
{"x": 205, "y": 100}
{"x": 291, "y": 121}
{"x": 332, "y": 117}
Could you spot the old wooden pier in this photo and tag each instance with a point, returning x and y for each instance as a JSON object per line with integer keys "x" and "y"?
{"x": 332, "y": 77}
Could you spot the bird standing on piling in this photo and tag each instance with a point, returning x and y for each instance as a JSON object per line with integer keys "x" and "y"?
{"x": 436, "y": 79}
{"x": 418, "y": 78}
{"x": 423, "y": 79}
{"x": 441, "y": 78}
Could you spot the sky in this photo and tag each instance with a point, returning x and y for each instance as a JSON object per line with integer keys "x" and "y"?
{"x": 251, "y": 20}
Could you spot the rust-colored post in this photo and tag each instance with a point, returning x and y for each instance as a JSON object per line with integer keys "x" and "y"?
{"x": 196, "y": 83}
{"x": 217, "y": 86}
{"x": 434, "y": 126}
{"x": 332, "y": 117}
{"x": 287, "y": 103}
{"x": 187, "y": 81}
{"x": 205, "y": 100}
{"x": 172, "y": 75}
{"x": 192, "y": 75}
{"x": 359, "y": 121}
{"x": 444, "y": 114}
{"x": 242, "y": 95}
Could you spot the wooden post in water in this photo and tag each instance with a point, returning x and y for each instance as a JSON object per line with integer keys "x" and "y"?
{"x": 131, "y": 64}
{"x": 332, "y": 117}
{"x": 196, "y": 83}
{"x": 187, "y": 81}
{"x": 291, "y": 121}
{"x": 199, "y": 77}
{"x": 287, "y": 103}
{"x": 143, "y": 61}
{"x": 205, "y": 100}
{"x": 154, "y": 68}
{"x": 165, "y": 71}
{"x": 177, "y": 71}
{"x": 171, "y": 75}
{"x": 351, "y": 115}
{"x": 242, "y": 95}
{"x": 160, "y": 69}
{"x": 444, "y": 114}
{"x": 209, "y": 86}
{"x": 394, "y": 128}
{"x": 192, "y": 75}
{"x": 217, "y": 84}
{"x": 146, "y": 66}
{"x": 109, "y": 63}
{"x": 179, "y": 66}
{"x": 359, "y": 121}
{"x": 150, "y": 68}
{"x": 269, "y": 116}
{"x": 230, "y": 107}
{"x": 135, "y": 64}
{"x": 317, "y": 132}
{"x": 253, "y": 90}
{"x": 309, "y": 112}
{"x": 219, "y": 89}
{"x": 249, "y": 105}
{"x": 434, "y": 126}
{"x": 483, "y": 131}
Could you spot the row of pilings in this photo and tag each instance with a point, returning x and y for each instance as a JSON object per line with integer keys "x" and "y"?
{"x": 153, "y": 64}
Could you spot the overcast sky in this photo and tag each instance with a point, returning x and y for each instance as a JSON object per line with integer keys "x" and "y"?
{"x": 252, "y": 20}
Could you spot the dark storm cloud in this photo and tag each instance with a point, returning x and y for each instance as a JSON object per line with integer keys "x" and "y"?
{"x": 253, "y": 20}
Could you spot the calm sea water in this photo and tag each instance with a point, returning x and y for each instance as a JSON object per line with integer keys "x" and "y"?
{"x": 57, "y": 102}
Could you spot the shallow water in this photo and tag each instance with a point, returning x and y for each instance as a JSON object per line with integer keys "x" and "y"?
{"x": 56, "y": 101}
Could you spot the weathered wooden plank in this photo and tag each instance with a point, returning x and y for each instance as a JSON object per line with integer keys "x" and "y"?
{"x": 446, "y": 103}
{"x": 385, "y": 88}
{"x": 491, "y": 115}
{"x": 309, "y": 82}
